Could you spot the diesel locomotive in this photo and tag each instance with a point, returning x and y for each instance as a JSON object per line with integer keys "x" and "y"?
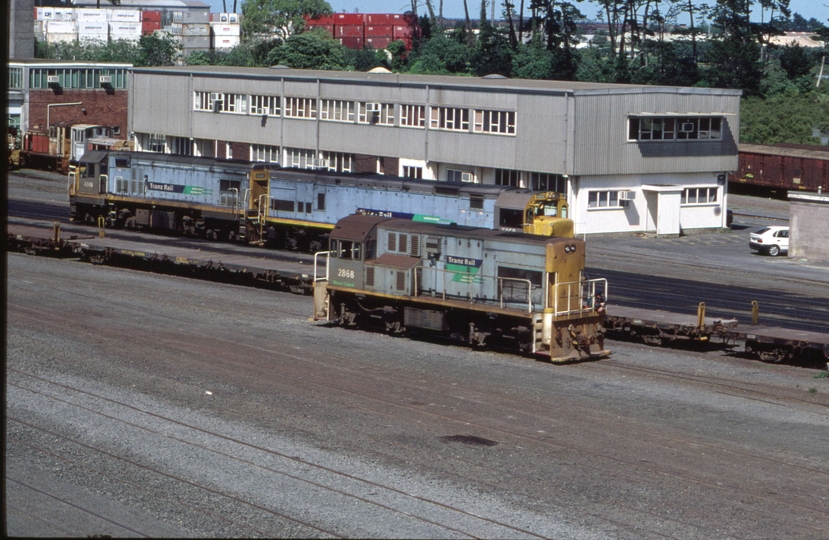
{"x": 286, "y": 208}
{"x": 480, "y": 286}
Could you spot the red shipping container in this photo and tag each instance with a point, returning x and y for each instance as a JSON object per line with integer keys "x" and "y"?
{"x": 401, "y": 31}
{"x": 349, "y": 18}
{"x": 379, "y": 31}
{"x": 148, "y": 27}
{"x": 329, "y": 28}
{"x": 378, "y": 42}
{"x": 352, "y": 42}
{"x": 380, "y": 18}
{"x": 151, "y": 16}
{"x": 321, "y": 20}
{"x": 351, "y": 31}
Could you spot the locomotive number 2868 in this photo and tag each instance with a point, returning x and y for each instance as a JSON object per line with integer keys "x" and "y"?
{"x": 342, "y": 272}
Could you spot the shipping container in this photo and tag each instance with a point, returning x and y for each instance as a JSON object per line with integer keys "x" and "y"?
{"x": 61, "y": 38}
{"x": 378, "y": 42}
{"x": 226, "y": 29}
{"x": 352, "y": 42}
{"x": 148, "y": 27}
{"x": 93, "y": 27}
{"x": 379, "y": 31}
{"x": 176, "y": 29}
{"x": 328, "y": 28}
{"x": 95, "y": 37}
{"x": 224, "y": 17}
{"x": 64, "y": 14}
{"x": 321, "y": 20}
{"x": 61, "y": 27}
{"x": 380, "y": 18}
{"x": 195, "y": 42}
{"x": 125, "y": 15}
{"x": 226, "y": 42}
{"x": 46, "y": 13}
{"x": 349, "y": 18}
{"x": 120, "y": 28}
{"x": 192, "y": 16}
{"x": 403, "y": 31}
{"x": 91, "y": 15}
{"x": 198, "y": 29}
{"x": 149, "y": 15}
{"x": 349, "y": 31}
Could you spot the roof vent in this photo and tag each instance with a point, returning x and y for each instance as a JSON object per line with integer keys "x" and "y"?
{"x": 280, "y": 66}
{"x": 494, "y": 76}
{"x": 379, "y": 69}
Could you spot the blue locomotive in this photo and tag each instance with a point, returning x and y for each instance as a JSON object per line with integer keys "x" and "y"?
{"x": 480, "y": 286}
{"x": 289, "y": 208}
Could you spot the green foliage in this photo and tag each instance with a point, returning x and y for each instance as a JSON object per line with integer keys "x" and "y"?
{"x": 311, "y": 50}
{"x": 282, "y": 17}
{"x": 440, "y": 56}
{"x": 787, "y": 118}
{"x": 532, "y": 61}
{"x": 157, "y": 49}
{"x": 152, "y": 50}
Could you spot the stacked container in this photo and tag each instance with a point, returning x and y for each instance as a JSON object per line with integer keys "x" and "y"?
{"x": 60, "y": 31}
{"x": 89, "y": 31}
{"x": 150, "y": 22}
{"x": 375, "y": 30}
{"x": 129, "y": 31}
{"x": 225, "y": 35}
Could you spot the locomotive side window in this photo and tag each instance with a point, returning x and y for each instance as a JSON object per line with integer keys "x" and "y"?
{"x": 511, "y": 218}
{"x": 346, "y": 249}
{"x": 320, "y": 201}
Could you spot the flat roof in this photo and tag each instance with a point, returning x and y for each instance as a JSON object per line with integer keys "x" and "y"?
{"x": 397, "y": 79}
{"x": 47, "y": 62}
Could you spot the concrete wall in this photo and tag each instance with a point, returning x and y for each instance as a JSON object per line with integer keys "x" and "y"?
{"x": 809, "y": 223}
{"x": 21, "y": 29}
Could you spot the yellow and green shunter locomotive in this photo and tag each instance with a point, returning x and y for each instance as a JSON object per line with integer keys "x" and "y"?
{"x": 481, "y": 286}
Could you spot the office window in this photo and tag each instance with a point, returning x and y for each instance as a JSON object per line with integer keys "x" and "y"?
{"x": 410, "y": 171}
{"x": 702, "y": 195}
{"x": 265, "y": 105}
{"x": 500, "y": 122}
{"x": 454, "y": 175}
{"x": 603, "y": 199}
{"x": 679, "y": 128}
{"x": 504, "y": 177}
{"x": 296, "y": 107}
{"x": 548, "y": 182}
{"x": 450, "y": 118}
{"x": 413, "y": 116}
{"x": 264, "y": 153}
{"x": 336, "y": 110}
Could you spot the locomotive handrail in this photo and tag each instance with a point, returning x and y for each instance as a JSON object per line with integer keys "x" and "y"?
{"x": 500, "y": 281}
{"x": 327, "y": 259}
{"x": 584, "y": 302}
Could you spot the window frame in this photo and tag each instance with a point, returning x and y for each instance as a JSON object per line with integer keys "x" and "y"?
{"x": 610, "y": 198}
{"x": 644, "y": 128}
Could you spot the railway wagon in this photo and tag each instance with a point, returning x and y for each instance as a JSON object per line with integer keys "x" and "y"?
{"x": 480, "y": 286}
{"x": 288, "y": 208}
{"x": 783, "y": 167}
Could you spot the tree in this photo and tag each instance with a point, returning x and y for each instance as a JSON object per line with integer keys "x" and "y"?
{"x": 157, "y": 50}
{"x": 440, "y": 56}
{"x": 532, "y": 60}
{"x": 311, "y": 50}
{"x": 281, "y": 17}
{"x": 492, "y": 54}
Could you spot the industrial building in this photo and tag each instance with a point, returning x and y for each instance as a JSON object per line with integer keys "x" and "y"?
{"x": 809, "y": 220}
{"x": 630, "y": 158}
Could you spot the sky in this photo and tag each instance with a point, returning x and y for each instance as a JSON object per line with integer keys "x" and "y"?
{"x": 453, "y": 9}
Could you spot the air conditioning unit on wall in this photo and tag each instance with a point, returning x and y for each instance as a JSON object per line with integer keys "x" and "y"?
{"x": 53, "y": 79}
{"x": 106, "y": 79}
{"x": 627, "y": 195}
{"x": 687, "y": 127}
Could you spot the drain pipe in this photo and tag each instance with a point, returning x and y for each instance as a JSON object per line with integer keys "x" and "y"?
{"x": 49, "y": 110}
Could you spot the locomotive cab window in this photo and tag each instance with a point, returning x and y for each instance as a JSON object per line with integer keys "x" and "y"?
{"x": 511, "y": 218}
{"x": 347, "y": 250}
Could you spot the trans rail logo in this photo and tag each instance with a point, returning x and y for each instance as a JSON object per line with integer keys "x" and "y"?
{"x": 178, "y": 188}
{"x": 466, "y": 270}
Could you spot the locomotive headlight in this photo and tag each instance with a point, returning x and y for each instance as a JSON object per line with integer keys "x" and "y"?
{"x": 567, "y": 249}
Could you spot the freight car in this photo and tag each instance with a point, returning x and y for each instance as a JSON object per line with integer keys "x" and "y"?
{"x": 60, "y": 147}
{"x": 480, "y": 286}
{"x": 781, "y": 167}
{"x": 286, "y": 208}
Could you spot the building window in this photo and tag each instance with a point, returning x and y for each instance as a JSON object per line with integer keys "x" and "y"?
{"x": 181, "y": 146}
{"x": 336, "y": 161}
{"x": 265, "y": 105}
{"x": 300, "y": 158}
{"x": 702, "y": 195}
{"x": 264, "y": 153}
{"x": 680, "y": 128}
{"x": 504, "y": 177}
{"x": 454, "y": 175}
{"x": 300, "y": 107}
{"x": 336, "y": 110}
{"x": 376, "y": 113}
{"x": 548, "y": 182}
{"x": 155, "y": 143}
{"x": 453, "y": 119}
{"x": 502, "y": 122}
{"x": 413, "y": 116}
{"x": 410, "y": 171}
{"x": 202, "y": 101}
{"x": 15, "y": 78}
{"x": 603, "y": 199}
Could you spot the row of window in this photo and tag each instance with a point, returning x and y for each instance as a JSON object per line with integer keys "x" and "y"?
{"x": 616, "y": 199}
{"x": 15, "y": 78}
{"x": 77, "y": 78}
{"x": 679, "y": 128}
{"x": 363, "y": 112}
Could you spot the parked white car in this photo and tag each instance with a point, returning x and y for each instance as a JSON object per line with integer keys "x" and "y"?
{"x": 770, "y": 240}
